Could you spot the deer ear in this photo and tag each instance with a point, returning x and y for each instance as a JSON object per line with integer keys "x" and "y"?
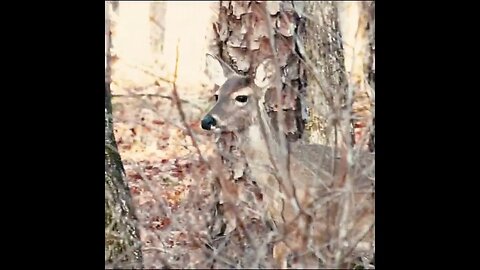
{"x": 217, "y": 70}
{"x": 265, "y": 73}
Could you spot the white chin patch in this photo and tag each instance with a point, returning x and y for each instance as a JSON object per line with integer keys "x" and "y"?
{"x": 217, "y": 130}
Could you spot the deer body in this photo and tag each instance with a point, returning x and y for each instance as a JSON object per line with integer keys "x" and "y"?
{"x": 289, "y": 191}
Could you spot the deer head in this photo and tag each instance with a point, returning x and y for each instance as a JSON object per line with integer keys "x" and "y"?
{"x": 237, "y": 97}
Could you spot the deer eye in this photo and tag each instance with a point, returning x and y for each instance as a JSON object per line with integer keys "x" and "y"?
{"x": 241, "y": 99}
{"x": 216, "y": 97}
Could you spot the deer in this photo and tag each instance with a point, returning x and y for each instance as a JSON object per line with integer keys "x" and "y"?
{"x": 293, "y": 186}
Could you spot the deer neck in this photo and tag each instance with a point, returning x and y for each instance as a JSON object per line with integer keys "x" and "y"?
{"x": 261, "y": 140}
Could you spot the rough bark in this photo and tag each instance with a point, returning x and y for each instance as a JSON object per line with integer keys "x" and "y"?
{"x": 122, "y": 244}
{"x": 246, "y": 33}
{"x": 340, "y": 71}
{"x": 243, "y": 33}
{"x": 339, "y": 46}
{"x": 324, "y": 55}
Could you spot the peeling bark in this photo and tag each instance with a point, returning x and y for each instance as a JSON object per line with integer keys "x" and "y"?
{"x": 242, "y": 41}
{"x": 242, "y": 33}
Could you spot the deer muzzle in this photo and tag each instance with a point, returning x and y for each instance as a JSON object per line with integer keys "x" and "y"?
{"x": 208, "y": 122}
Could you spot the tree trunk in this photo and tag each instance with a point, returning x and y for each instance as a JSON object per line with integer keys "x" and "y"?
{"x": 338, "y": 47}
{"x": 324, "y": 54}
{"x": 342, "y": 73}
{"x": 357, "y": 29}
{"x": 122, "y": 244}
{"x": 244, "y": 32}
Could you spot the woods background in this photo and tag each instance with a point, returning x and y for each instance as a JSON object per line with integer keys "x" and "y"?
{"x": 163, "y": 208}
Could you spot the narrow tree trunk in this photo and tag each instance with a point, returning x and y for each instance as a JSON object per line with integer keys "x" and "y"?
{"x": 339, "y": 44}
{"x": 355, "y": 19}
{"x": 324, "y": 55}
{"x": 122, "y": 244}
{"x": 338, "y": 48}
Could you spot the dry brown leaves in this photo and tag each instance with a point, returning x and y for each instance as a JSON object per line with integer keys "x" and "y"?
{"x": 168, "y": 182}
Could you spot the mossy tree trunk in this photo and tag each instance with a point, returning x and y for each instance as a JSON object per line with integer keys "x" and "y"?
{"x": 122, "y": 244}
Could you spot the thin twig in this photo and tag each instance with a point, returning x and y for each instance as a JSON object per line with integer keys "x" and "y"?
{"x": 153, "y": 95}
{"x": 188, "y": 130}
{"x": 357, "y": 241}
{"x": 280, "y": 119}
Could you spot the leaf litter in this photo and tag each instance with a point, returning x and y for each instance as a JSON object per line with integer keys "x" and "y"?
{"x": 162, "y": 167}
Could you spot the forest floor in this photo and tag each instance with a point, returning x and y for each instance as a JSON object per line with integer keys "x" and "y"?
{"x": 171, "y": 186}
{"x": 163, "y": 169}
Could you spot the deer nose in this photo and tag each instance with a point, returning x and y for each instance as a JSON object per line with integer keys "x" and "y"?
{"x": 208, "y": 122}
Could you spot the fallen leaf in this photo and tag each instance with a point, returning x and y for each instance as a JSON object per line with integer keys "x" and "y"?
{"x": 135, "y": 190}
